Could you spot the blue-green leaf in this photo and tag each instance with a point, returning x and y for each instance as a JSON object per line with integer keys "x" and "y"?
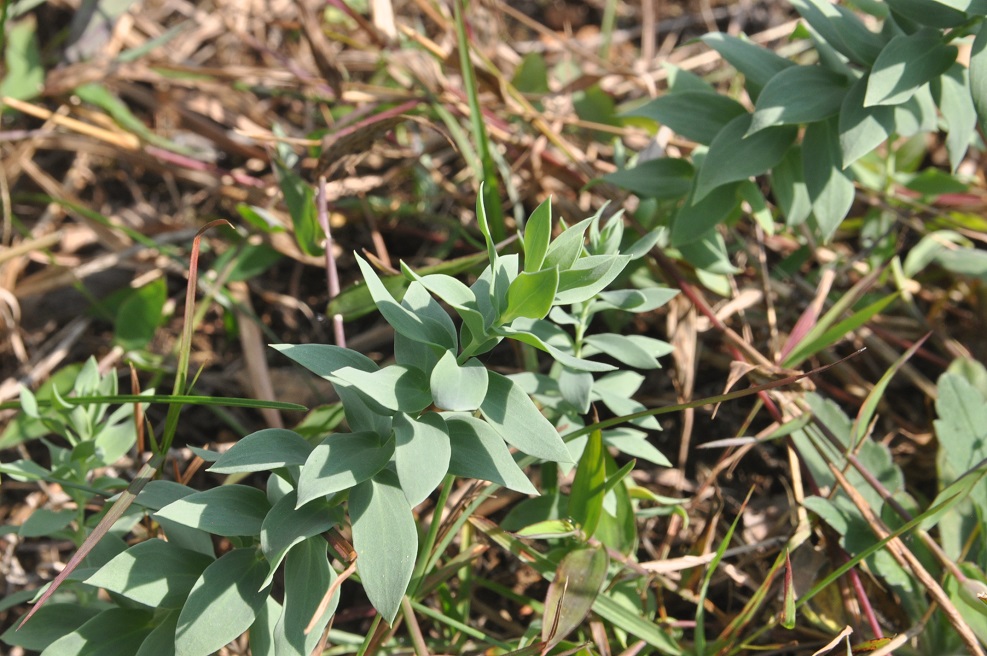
{"x": 696, "y": 219}
{"x": 636, "y": 351}
{"x": 307, "y": 577}
{"x": 733, "y": 157}
{"x": 842, "y": 30}
{"x": 664, "y": 178}
{"x": 862, "y": 129}
{"x": 49, "y": 622}
{"x": 784, "y": 100}
{"x": 978, "y": 74}
{"x": 698, "y": 116}
{"x": 342, "y": 461}
{"x": 154, "y": 573}
{"x": 830, "y": 190}
{"x": 757, "y": 64}
{"x": 480, "y": 452}
{"x": 459, "y": 297}
{"x": 222, "y": 604}
{"x": 567, "y": 247}
{"x": 264, "y": 450}
{"x": 905, "y": 64}
{"x": 931, "y": 13}
{"x": 587, "y": 277}
{"x": 515, "y": 417}
{"x": 228, "y": 510}
{"x": 397, "y": 388}
{"x": 114, "y": 632}
{"x": 635, "y": 300}
{"x": 419, "y": 328}
{"x": 288, "y": 524}
{"x": 457, "y": 387}
{"x": 386, "y": 541}
{"x": 951, "y": 92}
{"x": 421, "y": 453}
{"x": 788, "y": 185}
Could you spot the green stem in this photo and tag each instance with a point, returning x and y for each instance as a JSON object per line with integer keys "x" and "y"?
{"x": 425, "y": 551}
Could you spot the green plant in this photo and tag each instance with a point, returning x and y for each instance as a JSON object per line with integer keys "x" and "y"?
{"x": 437, "y": 412}
{"x": 87, "y": 438}
{"x": 861, "y": 89}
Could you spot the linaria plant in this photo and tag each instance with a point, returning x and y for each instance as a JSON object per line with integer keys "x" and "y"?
{"x": 437, "y": 412}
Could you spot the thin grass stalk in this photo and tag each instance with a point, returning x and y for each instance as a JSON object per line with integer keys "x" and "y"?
{"x": 491, "y": 188}
{"x": 907, "y": 559}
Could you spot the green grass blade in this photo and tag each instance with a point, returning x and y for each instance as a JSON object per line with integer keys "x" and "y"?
{"x": 491, "y": 188}
{"x": 816, "y": 341}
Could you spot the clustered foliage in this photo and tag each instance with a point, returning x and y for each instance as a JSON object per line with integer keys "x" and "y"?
{"x": 436, "y": 411}
{"x": 816, "y": 127}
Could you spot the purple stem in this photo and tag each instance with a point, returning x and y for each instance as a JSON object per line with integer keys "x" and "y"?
{"x": 332, "y": 275}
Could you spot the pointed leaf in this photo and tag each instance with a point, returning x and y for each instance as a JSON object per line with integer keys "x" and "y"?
{"x": 264, "y": 450}
{"x": 733, "y": 157}
{"x": 421, "y": 452}
{"x": 633, "y": 350}
{"x": 307, "y": 577}
{"x": 342, "y": 461}
{"x": 419, "y": 328}
{"x": 862, "y": 129}
{"x": 567, "y": 247}
{"x": 479, "y": 452}
{"x": 386, "y": 541}
{"x": 572, "y": 593}
{"x": 696, "y": 219}
{"x": 288, "y": 524}
{"x": 664, "y": 178}
{"x": 784, "y": 100}
{"x": 575, "y": 387}
{"x": 458, "y": 296}
{"x": 636, "y": 300}
{"x": 522, "y": 332}
{"x": 50, "y": 622}
{"x": 830, "y": 190}
{"x": 951, "y": 92}
{"x": 154, "y": 573}
{"x": 588, "y": 276}
{"x": 698, "y": 116}
{"x": 757, "y": 64}
{"x": 842, "y": 30}
{"x": 586, "y": 496}
{"x": 978, "y": 74}
{"x": 530, "y": 295}
{"x": 397, "y": 387}
{"x": 788, "y": 185}
{"x": 515, "y": 417}
{"x": 114, "y": 632}
{"x": 325, "y": 359}
{"x": 905, "y": 64}
{"x": 161, "y": 640}
{"x": 537, "y": 234}
{"x": 228, "y": 510}
{"x": 222, "y": 604}
{"x": 933, "y": 14}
